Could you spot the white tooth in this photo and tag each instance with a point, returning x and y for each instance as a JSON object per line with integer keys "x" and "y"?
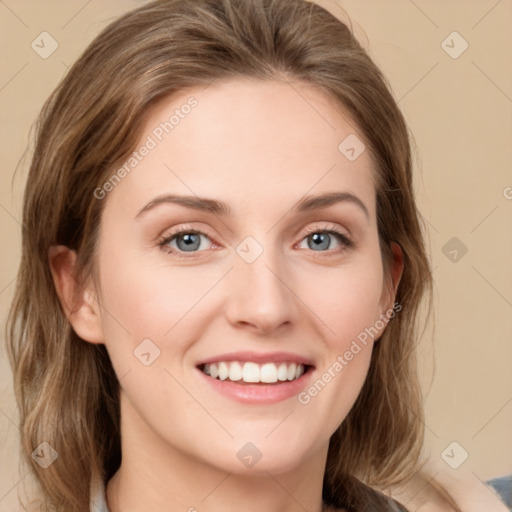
{"x": 282, "y": 372}
{"x": 214, "y": 371}
{"x": 268, "y": 373}
{"x": 206, "y": 369}
{"x": 299, "y": 371}
{"x": 251, "y": 372}
{"x": 223, "y": 371}
{"x": 235, "y": 371}
{"x": 292, "y": 368}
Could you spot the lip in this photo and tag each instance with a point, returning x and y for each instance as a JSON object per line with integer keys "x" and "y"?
{"x": 258, "y": 393}
{"x": 258, "y": 357}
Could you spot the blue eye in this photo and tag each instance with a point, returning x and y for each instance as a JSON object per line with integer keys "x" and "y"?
{"x": 192, "y": 241}
{"x": 185, "y": 241}
{"x": 321, "y": 240}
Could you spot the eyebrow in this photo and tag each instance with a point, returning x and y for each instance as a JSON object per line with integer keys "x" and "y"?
{"x": 219, "y": 208}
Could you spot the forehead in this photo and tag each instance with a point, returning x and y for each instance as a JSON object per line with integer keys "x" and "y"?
{"x": 245, "y": 138}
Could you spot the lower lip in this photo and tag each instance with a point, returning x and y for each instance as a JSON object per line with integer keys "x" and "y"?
{"x": 259, "y": 393}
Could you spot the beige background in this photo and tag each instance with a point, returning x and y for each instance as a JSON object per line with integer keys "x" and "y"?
{"x": 460, "y": 111}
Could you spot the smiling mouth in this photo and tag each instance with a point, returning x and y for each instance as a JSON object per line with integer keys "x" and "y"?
{"x": 254, "y": 373}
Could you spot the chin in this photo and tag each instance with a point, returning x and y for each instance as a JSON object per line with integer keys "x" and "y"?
{"x": 260, "y": 456}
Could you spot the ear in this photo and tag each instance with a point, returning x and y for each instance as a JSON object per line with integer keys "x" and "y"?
{"x": 397, "y": 268}
{"x": 79, "y": 304}
{"x": 392, "y": 278}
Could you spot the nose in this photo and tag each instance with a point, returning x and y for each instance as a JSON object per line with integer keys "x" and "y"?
{"x": 260, "y": 296}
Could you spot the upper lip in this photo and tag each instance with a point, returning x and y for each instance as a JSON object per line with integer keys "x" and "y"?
{"x": 259, "y": 357}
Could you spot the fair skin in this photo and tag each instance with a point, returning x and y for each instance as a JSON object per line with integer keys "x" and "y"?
{"x": 309, "y": 299}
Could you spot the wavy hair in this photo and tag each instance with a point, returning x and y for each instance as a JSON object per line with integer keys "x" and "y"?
{"x": 66, "y": 389}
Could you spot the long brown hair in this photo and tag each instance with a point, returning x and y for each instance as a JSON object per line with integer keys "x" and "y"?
{"x": 66, "y": 389}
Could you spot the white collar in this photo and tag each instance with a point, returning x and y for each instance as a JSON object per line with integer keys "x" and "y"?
{"x": 98, "y": 501}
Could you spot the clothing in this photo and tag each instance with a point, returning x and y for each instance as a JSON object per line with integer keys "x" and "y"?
{"x": 98, "y": 501}
{"x": 502, "y": 485}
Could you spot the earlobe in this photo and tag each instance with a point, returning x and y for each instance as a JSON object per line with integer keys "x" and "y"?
{"x": 80, "y": 305}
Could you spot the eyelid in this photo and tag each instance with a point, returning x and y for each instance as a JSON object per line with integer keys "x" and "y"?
{"x": 345, "y": 238}
{"x": 174, "y": 233}
{"x": 328, "y": 227}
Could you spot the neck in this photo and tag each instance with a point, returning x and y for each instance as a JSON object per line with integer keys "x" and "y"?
{"x": 158, "y": 477}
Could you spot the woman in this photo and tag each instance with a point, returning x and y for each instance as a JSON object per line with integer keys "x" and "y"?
{"x": 219, "y": 310}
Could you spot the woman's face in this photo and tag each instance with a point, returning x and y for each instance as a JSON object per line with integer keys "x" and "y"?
{"x": 276, "y": 276}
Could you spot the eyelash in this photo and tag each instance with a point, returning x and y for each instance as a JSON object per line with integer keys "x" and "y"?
{"x": 342, "y": 238}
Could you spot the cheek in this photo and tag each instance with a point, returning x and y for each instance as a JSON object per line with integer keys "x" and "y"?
{"x": 142, "y": 303}
{"x": 348, "y": 312}
{"x": 346, "y": 300}
{"x": 148, "y": 300}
